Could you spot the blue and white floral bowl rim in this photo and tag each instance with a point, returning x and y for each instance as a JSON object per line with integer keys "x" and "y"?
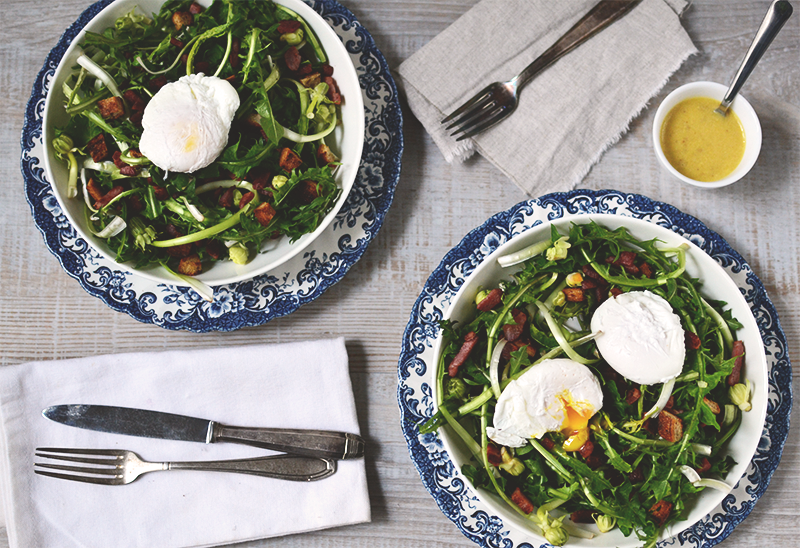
{"x": 415, "y": 395}
{"x": 274, "y": 294}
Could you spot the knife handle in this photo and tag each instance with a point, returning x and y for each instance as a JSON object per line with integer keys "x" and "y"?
{"x": 311, "y": 443}
{"x": 287, "y": 467}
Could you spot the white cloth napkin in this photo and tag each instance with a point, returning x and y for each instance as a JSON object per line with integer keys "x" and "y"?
{"x": 298, "y": 385}
{"x": 569, "y": 114}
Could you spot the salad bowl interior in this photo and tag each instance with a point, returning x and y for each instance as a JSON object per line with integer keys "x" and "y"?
{"x": 346, "y": 142}
{"x": 717, "y": 285}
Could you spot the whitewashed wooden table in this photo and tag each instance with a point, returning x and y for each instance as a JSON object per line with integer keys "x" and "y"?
{"x": 44, "y": 314}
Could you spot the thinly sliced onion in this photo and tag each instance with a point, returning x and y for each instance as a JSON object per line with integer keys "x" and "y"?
{"x": 86, "y": 191}
{"x": 695, "y": 479}
{"x": 297, "y": 138}
{"x": 113, "y": 228}
{"x": 713, "y": 484}
{"x": 702, "y": 449}
{"x": 97, "y": 71}
{"x": 206, "y": 292}
{"x": 223, "y": 183}
{"x": 524, "y": 254}
{"x": 666, "y": 392}
{"x": 559, "y": 335}
{"x": 199, "y": 217}
{"x": 730, "y": 414}
{"x": 494, "y": 366}
{"x": 690, "y": 473}
{"x": 104, "y": 167}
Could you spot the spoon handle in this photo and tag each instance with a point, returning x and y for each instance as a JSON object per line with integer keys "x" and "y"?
{"x": 776, "y": 16}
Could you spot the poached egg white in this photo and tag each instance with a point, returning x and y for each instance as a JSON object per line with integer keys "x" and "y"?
{"x": 642, "y": 338}
{"x": 186, "y": 123}
{"x": 555, "y": 395}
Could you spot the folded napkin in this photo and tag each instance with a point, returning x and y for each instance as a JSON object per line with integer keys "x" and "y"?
{"x": 569, "y": 114}
{"x": 299, "y": 385}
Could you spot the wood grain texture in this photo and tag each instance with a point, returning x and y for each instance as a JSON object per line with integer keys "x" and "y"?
{"x": 44, "y": 314}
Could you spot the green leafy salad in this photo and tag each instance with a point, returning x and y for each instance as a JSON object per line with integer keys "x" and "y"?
{"x": 598, "y": 384}
{"x": 197, "y": 134}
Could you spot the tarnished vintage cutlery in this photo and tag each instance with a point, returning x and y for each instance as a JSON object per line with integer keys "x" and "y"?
{"x": 497, "y": 101}
{"x": 120, "y": 467}
{"x": 154, "y": 424}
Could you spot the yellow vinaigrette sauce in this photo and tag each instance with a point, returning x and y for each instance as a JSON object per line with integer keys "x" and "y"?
{"x": 701, "y": 144}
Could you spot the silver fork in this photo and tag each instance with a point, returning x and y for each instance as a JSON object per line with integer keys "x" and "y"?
{"x": 119, "y": 467}
{"x": 498, "y": 100}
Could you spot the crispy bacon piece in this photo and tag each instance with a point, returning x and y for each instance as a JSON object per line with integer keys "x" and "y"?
{"x": 333, "y": 90}
{"x": 637, "y": 476}
{"x": 177, "y": 43}
{"x": 714, "y": 406}
{"x": 289, "y": 160}
{"x": 325, "y": 156}
{"x": 493, "y": 455}
{"x": 311, "y": 80}
{"x": 586, "y": 449}
{"x": 157, "y": 83}
{"x": 177, "y": 251}
{"x": 670, "y": 403}
{"x": 117, "y": 159}
{"x": 216, "y": 249}
{"x": 547, "y": 443}
{"x": 581, "y": 516}
{"x": 491, "y": 300}
{"x": 705, "y": 466}
{"x": 590, "y": 272}
{"x": 594, "y": 461}
{"x": 660, "y": 512}
{"x": 470, "y": 341}
{"x": 633, "y": 395}
{"x": 574, "y": 294}
{"x": 518, "y": 498}
{"x": 691, "y": 340}
{"x": 264, "y": 213}
{"x": 327, "y": 70}
{"x": 182, "y": 19}
{"x": 670, "y": 427}
{"x": 292, "y": 58}
{"x": 651, "y": 425}
{"x": 626, "y": 258}
{"x": 130, "y": 171}
{"x": 191, "y": 265}
{"x": 516, "y": 345}
{"x": 112, "y": 108}
{"x": 738, "y": 353}
{"x": 135, "y": 203}
{"x": 236, "y": 44}
{"x": 94, "y": 189}
{"x": 512, "y": 332}
{"x": 196, "y": 8}
{"x": 108, "y": 196}
{"x": 647, "y": 270}
{"x": 589, "y": 283}
{"x": 616, "y": 292}
{"x": 160, "y": 192}
{"x": 288, "y": 26}
{"x": 98, "y": 148}
{"x": 633, "y": 270}
{"x": 245, "y": 199}
{"x": 309, "y": 191}
{"x": 226, "y": 198}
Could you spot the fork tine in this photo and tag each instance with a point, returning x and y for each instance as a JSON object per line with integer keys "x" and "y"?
{"x": 108, "y": 452}
{"x": 478, "y": 97}
{"x": 487, "y": 122}
{"x": 480, "y": 120}
{"x": 84, "y": 460}
{"x": 475, "y": 112}
{"x": 85, "y": 479}
{"x": 80, "y": 469}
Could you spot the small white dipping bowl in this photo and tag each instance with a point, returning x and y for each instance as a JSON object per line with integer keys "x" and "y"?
{"x": 745, "y": 112}
{"x": 347, "y": 143}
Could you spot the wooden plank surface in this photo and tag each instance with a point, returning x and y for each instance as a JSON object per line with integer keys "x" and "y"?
{"x": 44, "y": 314}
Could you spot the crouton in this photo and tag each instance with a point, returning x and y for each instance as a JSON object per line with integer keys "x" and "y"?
{"x": 182, "y": 19}
{"x": 264, "y": 213}
{"x": 325, "y": 156}
{"x": 311, "y": 80}
{"x": 98, "y": 148}
{"x": 289, "y": 160}
{"x": 190, "y": 265}
{"x": 574, "y": 294}
{"x": 309, "y": 191}
{"x": 112, "y": 108}
{"x": 670, "y": 427}
{"x": 660, "y": 512}
{"x": 94, "y": 189}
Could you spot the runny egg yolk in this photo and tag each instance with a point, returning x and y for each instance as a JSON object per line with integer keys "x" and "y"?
{"x": 577, "y": 414}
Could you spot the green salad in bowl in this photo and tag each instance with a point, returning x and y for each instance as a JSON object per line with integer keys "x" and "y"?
{"x": 204, "y": 143}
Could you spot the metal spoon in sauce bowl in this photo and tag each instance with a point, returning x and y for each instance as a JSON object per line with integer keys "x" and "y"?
{"x": 776, "y": 16}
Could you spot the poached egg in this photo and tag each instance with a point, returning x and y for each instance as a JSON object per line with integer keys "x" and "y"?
{"x": 642, "y": 338}
{"x": 186, "y": 123}
{"x": 556, "y": 395}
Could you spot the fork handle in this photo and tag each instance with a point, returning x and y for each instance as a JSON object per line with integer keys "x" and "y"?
{"x": 598, "y": 18}
{"x": 311, "y": 443}
{"x": 288, "y": 467}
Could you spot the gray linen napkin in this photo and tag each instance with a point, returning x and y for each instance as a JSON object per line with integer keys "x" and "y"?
{"x": 569, "y": 114}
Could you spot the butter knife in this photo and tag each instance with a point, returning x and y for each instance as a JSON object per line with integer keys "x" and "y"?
{"x": 155, "y": 424}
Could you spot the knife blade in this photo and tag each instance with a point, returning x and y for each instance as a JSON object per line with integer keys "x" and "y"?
{"x": 169, "y": 426}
